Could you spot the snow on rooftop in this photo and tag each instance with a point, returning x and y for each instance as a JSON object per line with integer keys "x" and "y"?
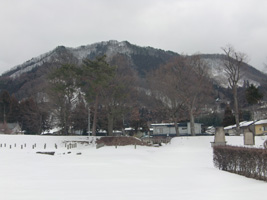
{"x": 229, "y": 127}
{"x": 246, "y": 123}
{"x": 263, "y": 121}
{"x": 163, "y": 124}
{"x": 241, "y": 124}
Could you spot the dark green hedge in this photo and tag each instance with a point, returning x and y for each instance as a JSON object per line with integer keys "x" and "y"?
{"x": 249, "y": 162}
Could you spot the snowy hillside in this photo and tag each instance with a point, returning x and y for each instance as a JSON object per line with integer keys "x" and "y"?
{"x": 109, "y": 48}
{"x": 30, "y": 64}
{"x": 180, "y": 170}
{"x": 112, "y": 47}
{"x": 218, "y": 73}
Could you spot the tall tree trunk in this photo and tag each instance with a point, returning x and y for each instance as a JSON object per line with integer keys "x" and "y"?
{"x": 95, "y": 116}
{"x": 192, "y": 122}
{"x": 110, "y": 124}
{"x": 236, "y": 110}
{"x": 176, "y": 126}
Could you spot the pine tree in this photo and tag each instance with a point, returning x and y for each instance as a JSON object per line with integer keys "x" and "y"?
{"x": 4, "y": 105}
{"x": 30, "y": 119}
{"x": 80, "y": 116}
{"x": 14, "y": 110}
{"x": 229, "y": 118}
{"x": 95, "y": 76}
{"x": 63, "y": 88}
{"x": 253, "y": 95}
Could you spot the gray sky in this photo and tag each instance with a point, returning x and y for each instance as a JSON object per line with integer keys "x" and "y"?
{"x": 33, "y": 27}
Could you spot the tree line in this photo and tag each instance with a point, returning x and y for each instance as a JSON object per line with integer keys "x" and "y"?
{"x": 108, "y": 94}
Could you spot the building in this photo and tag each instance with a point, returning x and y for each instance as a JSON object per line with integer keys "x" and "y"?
{"x": 168, "y": 129}
{"x": 256, "y": 127}
{"x": 10, "y": 128}
{"x": 260, "y": 127}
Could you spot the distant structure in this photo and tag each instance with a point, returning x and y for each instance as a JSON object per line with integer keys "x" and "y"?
{"x": 168, "y": 129}
{"x": 258, "y": 127}
{"x": 10, "y": 128}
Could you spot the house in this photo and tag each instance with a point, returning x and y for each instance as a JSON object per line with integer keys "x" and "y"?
{"x": 257, "y": 127}
{"x": 260, "y": 127}
{"x": 10, "y": 128}
{"x": 244, "y": 127}
{"x": 168, "y": 129}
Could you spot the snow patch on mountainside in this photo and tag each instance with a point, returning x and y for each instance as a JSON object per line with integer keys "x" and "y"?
{"x": 219, "y": 74}
{"x": 112, "y": 47}
{"x": 30, "y": 64}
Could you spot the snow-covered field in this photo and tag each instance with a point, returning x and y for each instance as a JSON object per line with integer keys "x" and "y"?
{"x": 182, "y": 170}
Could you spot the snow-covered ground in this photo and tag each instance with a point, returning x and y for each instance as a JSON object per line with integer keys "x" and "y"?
{"x": 180, "y": 170}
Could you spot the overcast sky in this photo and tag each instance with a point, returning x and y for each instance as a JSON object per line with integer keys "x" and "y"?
{"x": 29, "y": 28}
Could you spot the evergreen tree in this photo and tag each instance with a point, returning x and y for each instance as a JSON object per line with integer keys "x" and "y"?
{"x": 229, "y": 118}
{"x": 30, "y": 119}
{"x": 4, "y": 105}
{"x": 14, "y": 110}
{"x": 80, "y": 116}
{"x": 95, "y": 76}
{"x": 63, "y": 89}
{"x": 117, "y": 96}
{"x": 253, "y": 95}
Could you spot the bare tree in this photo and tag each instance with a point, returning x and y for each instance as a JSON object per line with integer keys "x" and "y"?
{"x": 163, "y": 85}
{"x": 182, "y": 84}
{"x": 232, "y": 66}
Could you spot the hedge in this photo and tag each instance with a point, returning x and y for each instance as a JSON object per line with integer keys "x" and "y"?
{"x": 249, "y": 162}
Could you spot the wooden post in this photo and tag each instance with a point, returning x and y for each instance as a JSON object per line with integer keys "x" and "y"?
{"x": 45, "y": 146}
{"x": 21, "y": 146}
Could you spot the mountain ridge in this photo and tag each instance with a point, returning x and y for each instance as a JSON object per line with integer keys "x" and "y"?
{"x": 142, "y": 59}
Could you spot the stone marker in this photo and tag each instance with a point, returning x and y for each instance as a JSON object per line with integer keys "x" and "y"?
{"x": 219, "y": 138}
{"x": 249, "y": 138}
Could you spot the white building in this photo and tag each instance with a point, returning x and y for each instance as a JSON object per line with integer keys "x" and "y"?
{"x": 168, "y": 129}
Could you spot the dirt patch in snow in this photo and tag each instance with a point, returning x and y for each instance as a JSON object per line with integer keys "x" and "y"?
{"x": 120, "y": 141}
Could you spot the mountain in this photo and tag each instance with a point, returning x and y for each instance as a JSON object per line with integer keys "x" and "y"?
{"x": 143, "y": 58}
{"x": 29, "y": 78}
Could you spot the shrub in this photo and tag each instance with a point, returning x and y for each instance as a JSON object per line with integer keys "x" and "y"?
{"x": 249, "y": 162}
